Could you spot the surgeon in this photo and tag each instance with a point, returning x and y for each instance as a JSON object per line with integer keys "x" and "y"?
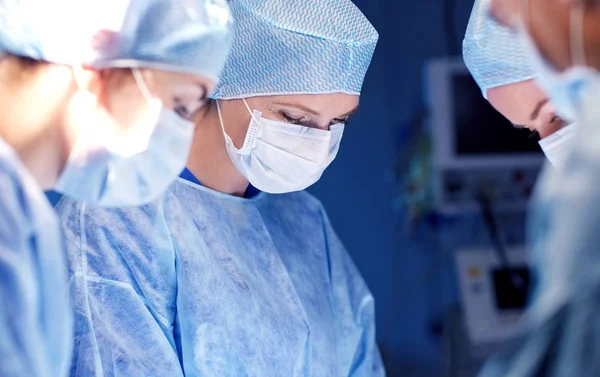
{"x": 562, "y": 324}
{"x": 236, "y": 270}
{"x": 497, "y": 58}
{"x": 95, "y": 98}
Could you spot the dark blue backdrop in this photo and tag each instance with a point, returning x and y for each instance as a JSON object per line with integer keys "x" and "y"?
{"x": 357, "y": 196}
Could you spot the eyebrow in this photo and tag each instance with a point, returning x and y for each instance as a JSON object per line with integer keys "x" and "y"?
{"x": 313, "y": 112}
{"x": 299, "y": 107}
{"x": 350, "y": 112}
{"x": 536, "y": 112}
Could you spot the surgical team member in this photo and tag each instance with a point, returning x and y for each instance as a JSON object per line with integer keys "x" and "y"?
{"x": 236, "y": 271}
{"x": 562, "y": 324}
{"x": 498, "y": 59}
{"x": 78, "y": 80}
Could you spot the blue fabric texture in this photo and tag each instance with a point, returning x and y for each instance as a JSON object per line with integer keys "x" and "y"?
{"x": 494, "y": 54}
{"x": 563, "y": 330}
{"x": 201, "y": 283}
{"x": 35, "y": 315}
{"x": 190, "y": 36}
{"x": 297, "y": 47}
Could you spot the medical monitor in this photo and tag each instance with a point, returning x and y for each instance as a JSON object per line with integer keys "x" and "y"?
{"x": 474, "y": 146}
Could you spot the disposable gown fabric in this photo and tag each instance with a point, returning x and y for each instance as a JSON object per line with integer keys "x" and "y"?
{"x": 200, "y": 283}
{"x": 35, "y": 315}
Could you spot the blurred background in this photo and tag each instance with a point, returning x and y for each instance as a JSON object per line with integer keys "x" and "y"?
{"x": 429, "y": 194}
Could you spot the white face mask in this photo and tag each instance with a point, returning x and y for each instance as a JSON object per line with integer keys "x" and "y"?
{"x": 129, "y": 170}
{"x": 279, "y": 157}
{"x": 565, "y": 89}
{"x": 557, "y": 146}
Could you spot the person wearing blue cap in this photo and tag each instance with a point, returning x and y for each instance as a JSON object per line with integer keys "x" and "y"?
{"x": 235, "y": 270}
{"x": 561, "y": 324}
{"x": 95, "y": 98}
{"x": 498, "y": 59}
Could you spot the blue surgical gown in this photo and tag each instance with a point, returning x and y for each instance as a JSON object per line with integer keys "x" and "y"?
{"x": 562, "y": 336}
{"x": 35, "y": 315}
{"x": 201, "y": 283}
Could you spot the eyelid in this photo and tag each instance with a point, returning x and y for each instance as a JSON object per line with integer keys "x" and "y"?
{"x": 191, "y": 107}
{"x": 204, "y": 95}
{"x": 291, "y": 120}
{"x": 292, "y": 117}
{"x": 182, "y": 111}
{"x": 538, "y": 108}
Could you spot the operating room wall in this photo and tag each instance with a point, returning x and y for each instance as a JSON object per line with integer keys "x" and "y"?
{"x": 358, "y": 194}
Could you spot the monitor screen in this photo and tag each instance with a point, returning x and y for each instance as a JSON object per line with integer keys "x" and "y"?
{"x": 480, "y": 129}
{"x": 512, "y": 287}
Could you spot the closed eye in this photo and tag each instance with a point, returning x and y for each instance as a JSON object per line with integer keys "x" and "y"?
{"x": 340, "y": 121}
{"x": 183, "y": 111}
{"x": 188, "y": 111}
{"x": 289, "y": 119}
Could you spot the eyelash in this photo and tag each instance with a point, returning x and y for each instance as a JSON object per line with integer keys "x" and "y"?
{"x": 300, "y": 120}
{"x": 535, "y": 135}
{"x": 182, "y": 111}
{"x": 292, "y": 120}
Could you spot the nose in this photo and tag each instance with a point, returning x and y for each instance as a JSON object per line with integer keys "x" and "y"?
{"x": 548, "y": 122}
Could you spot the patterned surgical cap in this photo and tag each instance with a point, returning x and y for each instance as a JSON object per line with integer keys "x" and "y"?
{"x": 297, "y": 47}
{"x": 494, "y": 54}
{"x": 189, "y": 36}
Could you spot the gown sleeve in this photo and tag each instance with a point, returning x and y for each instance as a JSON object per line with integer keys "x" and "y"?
{"x": 23, "y": 341}
{"x": 354, "y": 308}
{"x": 123, "y": 288}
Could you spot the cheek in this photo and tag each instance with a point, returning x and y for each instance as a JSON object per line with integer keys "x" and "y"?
{"x": 236, "y": 121}
{"x": 549, "y": 28}
{"x": 127, "y": 107}
{"x": 548, "y": 129}
{"x": 238, "y": 131}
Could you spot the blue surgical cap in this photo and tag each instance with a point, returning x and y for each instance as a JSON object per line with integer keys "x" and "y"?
{"x": 494, "y": 54}
{"x": 188, "y": 36}
{"x": 297, "y": 47}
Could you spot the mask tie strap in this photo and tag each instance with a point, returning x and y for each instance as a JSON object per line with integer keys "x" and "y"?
{"x": 228, "y": 140}
{"x": 247, "y": 107}
{"x": 221, "y": 122}
{"x": 250, "y": 112}
{"x": 250, "y": 141}
{"x": 139, "y": 79}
